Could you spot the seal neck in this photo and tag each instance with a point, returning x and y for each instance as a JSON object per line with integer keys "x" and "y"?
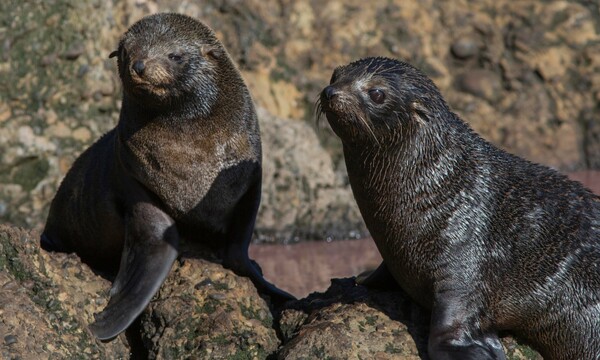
{"x": 422, "y": 163}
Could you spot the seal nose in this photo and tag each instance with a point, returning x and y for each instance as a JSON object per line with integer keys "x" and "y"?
{"x": 329, "y": 92}
{"x": 138, "y": 67}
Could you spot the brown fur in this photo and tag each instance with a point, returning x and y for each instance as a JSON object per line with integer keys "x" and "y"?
{"x": 183, "y": 161}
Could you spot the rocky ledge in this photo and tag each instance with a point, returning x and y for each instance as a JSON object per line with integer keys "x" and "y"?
{"x": 202, "y": 311}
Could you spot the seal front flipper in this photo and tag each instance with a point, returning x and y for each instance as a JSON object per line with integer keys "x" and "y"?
{"x": 150, "y": 249}
{"x": 236, "y": 253}
{"x": 380, "y": 278}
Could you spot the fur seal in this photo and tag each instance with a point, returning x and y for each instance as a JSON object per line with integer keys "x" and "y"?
{"x": 184, "y": 161}
{"x": 488, "y": 241}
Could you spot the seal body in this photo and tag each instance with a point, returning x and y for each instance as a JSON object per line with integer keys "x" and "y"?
{"x": 183, "y": 161}
{"x": 488, "y": 241}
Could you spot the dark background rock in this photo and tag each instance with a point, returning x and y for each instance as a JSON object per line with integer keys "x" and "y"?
{"x": 523, "y": 73}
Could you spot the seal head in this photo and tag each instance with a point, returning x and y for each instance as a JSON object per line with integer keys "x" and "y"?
{"x": 373, "y": 101}
{"x": 170, "y": 61}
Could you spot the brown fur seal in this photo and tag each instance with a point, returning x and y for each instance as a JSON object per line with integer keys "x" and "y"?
{"x": 486, "y": 240}
{"x": 183, "y": 161}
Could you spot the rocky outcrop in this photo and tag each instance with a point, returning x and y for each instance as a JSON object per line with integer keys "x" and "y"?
{"x": 302, "y": 195}
{"x": 202, "y": 311}
{"x": 353, "y": 322}
{"x": 523, "y": 73}
{"x": 46, "y": 302}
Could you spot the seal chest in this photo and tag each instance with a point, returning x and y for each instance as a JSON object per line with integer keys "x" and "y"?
{"x": 488, "y": 241}
{"x": 183, "y": 161}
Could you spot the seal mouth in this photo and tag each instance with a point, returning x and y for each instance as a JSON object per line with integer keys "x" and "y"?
{"x": 146, "y": 83}
{"x": 329, "y": 104}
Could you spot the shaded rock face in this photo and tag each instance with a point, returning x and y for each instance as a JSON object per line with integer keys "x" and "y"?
{"x": 302, "y": 195}
{"x": 523, "y": 73}
{"x": 202, "y": 311}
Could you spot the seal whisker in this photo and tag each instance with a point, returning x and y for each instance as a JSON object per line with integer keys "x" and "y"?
{"x": 318, "y": 112}
{"x": 366, "y": 124}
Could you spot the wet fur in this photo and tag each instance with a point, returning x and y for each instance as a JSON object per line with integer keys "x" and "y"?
{"x": 487, "y": 240}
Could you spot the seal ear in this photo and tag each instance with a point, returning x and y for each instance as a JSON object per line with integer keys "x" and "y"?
{"x": 212, "y": 51}
{"x": 419, "y": 112}
{"x": 113, "y": 54}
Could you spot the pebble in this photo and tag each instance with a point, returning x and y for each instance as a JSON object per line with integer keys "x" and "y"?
{"x": 465, "y": 47}
{"x": 82, "y": 134}
{"x": 74, "y": 51}
{"x": 479, "y": 82}
{"x": 203, "y": 283}
{"x": 217, "y": 296}
{"x": 10, "y": 339}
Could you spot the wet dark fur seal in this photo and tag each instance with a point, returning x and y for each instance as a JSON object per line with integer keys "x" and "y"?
{"x": 183, "y": 161}
{"x": 486, "y": 240}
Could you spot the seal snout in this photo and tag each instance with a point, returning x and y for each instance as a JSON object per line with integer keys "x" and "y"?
{"x": 330, "y": 99}
{"x": 330, "y": 92}
{"x": 139, "y": 67}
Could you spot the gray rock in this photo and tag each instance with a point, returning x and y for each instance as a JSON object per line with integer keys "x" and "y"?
{"x": 482, "y": 83}
{"x": 465, "y": 47}
{"x": 302, "y": 196}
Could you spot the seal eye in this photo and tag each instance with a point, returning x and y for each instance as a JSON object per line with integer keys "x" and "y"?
{"x": 175, "y": 57}
{"x": 378, "y": 96}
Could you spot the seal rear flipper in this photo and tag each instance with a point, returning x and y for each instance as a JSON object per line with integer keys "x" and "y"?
{"x": 380, "y": 278}
{"x": 236, "y": 252}
{"x": 240, "y": 263}
{"x": 150, "y": 250}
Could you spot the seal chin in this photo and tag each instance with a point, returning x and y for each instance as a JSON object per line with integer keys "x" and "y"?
{"x": 150, "y": 92}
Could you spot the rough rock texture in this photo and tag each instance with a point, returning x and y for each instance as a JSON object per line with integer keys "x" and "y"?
{"x": 525, "y": 74}
{"x": 202, "y": 311}
{"x": 47, "y": 300}
{"x": 353, "y": 322}
{"x": 302, "y": 195}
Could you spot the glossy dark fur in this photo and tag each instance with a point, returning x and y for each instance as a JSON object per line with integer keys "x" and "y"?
{"x": 183, "y": 161}
{"x": 488, "y": 241}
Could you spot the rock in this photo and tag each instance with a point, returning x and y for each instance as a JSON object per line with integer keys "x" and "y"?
{"x": 353, "y": 322}
{"x": 202, "y": 311}
{"x": 465, "y": 47}
{"x": 347, "y": 322}
{"x": 46, "y": 302}
{"x": 482, "y": 83}
{"x": 302, "y": 196}
{"x": 224, "y": 320}
{"x": 48, "y": 299}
